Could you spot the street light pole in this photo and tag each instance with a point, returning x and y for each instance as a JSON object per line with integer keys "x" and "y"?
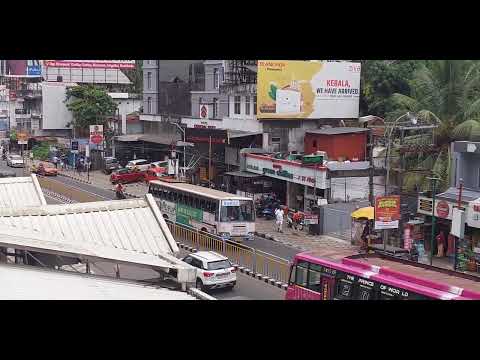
{"x": 434, "y": 182}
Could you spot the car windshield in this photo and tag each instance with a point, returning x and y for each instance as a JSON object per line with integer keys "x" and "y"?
{"x": 16, "y": 157}
{"x": 218, "y": 265}
{"x": 242, "y": 212}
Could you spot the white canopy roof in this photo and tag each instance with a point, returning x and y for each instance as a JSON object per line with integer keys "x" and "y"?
{"x": 19, "y": 282}
{"x": 20, "y": 191}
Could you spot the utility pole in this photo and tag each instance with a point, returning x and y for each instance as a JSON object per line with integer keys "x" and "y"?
{"x": 371, "y": 172}
{"x": 209, "y": 161}
{"x": 456, "y": 241}
{"x": 434, "y": 183}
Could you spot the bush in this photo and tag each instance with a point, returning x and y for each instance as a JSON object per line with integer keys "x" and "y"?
{"x": 41, "y": 151}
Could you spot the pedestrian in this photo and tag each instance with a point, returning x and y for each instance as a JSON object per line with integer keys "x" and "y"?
{"x": 55, "y": 161}
{"x": 279, "y": 217}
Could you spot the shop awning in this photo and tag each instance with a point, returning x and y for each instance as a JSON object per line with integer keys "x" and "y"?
{"x": 127, "y": 138}
{"x": 239, "y": 133}
{"x": 244, "y": 174}
{"x": 364, "y": 213}
{"x": 452, "y": 195}
{"x": 164, "y": 139}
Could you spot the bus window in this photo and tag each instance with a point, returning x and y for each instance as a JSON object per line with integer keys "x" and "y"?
{"x": 344, "y": 289}
{"x": 314, "y": 277}
{"x": 301, "y": 273}
{"x": 364, "y": 293}
{"x": 291, "y": 278}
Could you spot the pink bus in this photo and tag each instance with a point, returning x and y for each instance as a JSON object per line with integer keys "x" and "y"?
{"x": 375, "y": 277}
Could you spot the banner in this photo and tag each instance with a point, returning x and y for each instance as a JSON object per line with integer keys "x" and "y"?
{"x": 96, "y": 134}
{"x": 97, "y": 64}
{"x": 387, "y": 212}
{"x": 307, "y": 89}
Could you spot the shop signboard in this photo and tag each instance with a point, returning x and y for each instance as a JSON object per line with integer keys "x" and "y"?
{"x": 473, "y": 213}
{"x": 74, "y": 147}
{"x": 287, "y": 171}
{"x": 307, "y": 89}
{"x": 310, "y": 219}
{"x": 203, "y": 111}
{"x": 387, "y": 212}
{"x": 443, "y": 208}
{"x": 22, "y": 138}
{"x": 92, "y": 64}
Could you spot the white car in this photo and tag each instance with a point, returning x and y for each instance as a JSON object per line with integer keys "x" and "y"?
{"x": 142, "y": 164}
{"x": 163, "y": 163}
{"x": 14, "y": 161}
{"x": 213, "y": 270}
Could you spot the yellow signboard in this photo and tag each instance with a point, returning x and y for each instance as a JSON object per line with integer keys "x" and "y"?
{"x": 307, "y": 89}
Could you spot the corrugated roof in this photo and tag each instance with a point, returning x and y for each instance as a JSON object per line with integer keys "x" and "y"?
{"x": 20, "y": 192}
{"x": 337, "y": 130}
{"x": 130, "y": 225}
{"x": 452, "y": 194}
{"x": 356, "y": 165}
{"x": 35, "y": 283}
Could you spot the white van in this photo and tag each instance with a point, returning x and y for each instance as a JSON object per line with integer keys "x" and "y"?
{"x": 142, "y": 164}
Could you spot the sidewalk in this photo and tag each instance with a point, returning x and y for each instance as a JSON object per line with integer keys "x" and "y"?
{"x": 301, "y": 239}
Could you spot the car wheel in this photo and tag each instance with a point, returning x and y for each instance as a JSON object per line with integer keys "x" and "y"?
{"x": 199, "y": 285}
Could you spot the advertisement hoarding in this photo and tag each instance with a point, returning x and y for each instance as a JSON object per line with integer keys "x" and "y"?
{"x": 96, "y": 134}
{"x": 387, "y": 212}
{"x": 22, "y": 138}
{"x": 96, "y": 64}
{"x": 307, "y": 89}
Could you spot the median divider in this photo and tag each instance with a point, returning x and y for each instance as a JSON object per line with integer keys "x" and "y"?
{"x": 260, "y": 265}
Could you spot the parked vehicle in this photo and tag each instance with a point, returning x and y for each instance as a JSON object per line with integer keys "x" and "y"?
{"x": 45, "y": 170}
{"x": 14, "y": 160}
{"x": 141, "y": 164}
{"x": 160, "y": 164}
{"x": 154, "y": 173}
{"x": 125, "y": 176}
{"x": 110, "y": 164}
{"x": 213, "y": 270}
{"x": 296, "y": 220}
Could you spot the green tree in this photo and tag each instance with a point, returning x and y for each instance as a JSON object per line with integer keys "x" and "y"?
{"x": 447, "y": 92}
{"x": 382, "y": 78}
{"x": 89, "y": 105}
{"x": 136, "y": 77}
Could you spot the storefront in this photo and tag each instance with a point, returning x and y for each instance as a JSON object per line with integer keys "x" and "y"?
{"x": 248, "y": 184}
{"x": 467, "y": 250}
{"x": 298, "y": 181}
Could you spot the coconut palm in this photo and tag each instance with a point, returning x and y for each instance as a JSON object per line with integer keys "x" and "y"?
{"x": 446, "y": 92}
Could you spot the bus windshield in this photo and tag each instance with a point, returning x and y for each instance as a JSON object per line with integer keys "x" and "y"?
{"x": 237, "y": 210}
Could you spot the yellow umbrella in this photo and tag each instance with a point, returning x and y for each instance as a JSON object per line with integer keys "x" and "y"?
{"x": 364, "y": 213}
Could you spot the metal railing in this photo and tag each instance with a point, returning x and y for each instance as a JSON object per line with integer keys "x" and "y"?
{"x": 256, "y": 260}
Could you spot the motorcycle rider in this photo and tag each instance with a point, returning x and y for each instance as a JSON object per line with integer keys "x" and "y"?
{"x": 119, "y": 191}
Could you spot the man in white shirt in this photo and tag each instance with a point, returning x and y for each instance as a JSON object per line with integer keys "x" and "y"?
{"x": 279, "y": 219}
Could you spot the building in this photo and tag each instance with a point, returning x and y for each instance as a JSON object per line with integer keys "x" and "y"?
{"x": 465, "y": 167}
{"x": 340, "y": 143}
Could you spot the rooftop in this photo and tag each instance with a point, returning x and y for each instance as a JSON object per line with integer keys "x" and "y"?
{"x": 337, "y": 130}
{"x": 20, "y": 192}
{"x": 35, "y": 283}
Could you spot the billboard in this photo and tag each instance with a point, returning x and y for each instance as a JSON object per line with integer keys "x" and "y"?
{"x": 96, "y": 64}
{"x": 387, "y": 212}
{"x": 307, "y": 89}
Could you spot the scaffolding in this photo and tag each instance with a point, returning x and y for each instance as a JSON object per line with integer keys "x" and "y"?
{"x": 240, "y": 76}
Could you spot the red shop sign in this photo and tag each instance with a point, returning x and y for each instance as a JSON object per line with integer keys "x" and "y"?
{"x": 443, "y": 209}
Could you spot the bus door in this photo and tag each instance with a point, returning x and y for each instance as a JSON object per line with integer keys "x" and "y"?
{"x": 327, "y": 283}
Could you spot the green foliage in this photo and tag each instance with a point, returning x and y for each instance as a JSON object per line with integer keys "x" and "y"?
{"x": 380, "y": 79}
{"x": 89, "y": 105}
{"x": 136, "y": 77}
{"x": 13, "y": 135}
{"x": 41, "y": 151}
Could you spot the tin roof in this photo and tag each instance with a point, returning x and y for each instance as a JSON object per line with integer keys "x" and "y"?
{"x": 135, "y": 226}
{"x": 337, "y": 130}
{"x": 35, "y": 283}
{"x": 452, "y": 194}
{"x": 20, "y": 192}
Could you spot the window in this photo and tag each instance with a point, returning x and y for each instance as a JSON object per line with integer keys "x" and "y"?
{"x": 301, "y": 273}
{"x": 149, "y": 105}
{"x": 255, "y": 105}
{"x": 149, "y": 80}
{"x": 275, "y": 140}
{"x": 244, "y": 212}
{"x": 196, "y": 263}
{"x": 219, "y": 265}
{"x": 188, "y": 259}
{"x": 314, "y": 277}
{"x": 236, "y": 109}
{"x": 247, "y": 105}
{"x": 345, "y": 289}
{"x": 215, "y": 78}
{"x": 215, "y": 108}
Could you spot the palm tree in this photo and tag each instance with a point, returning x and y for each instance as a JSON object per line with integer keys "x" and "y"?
{"x": 446, "y": 92}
